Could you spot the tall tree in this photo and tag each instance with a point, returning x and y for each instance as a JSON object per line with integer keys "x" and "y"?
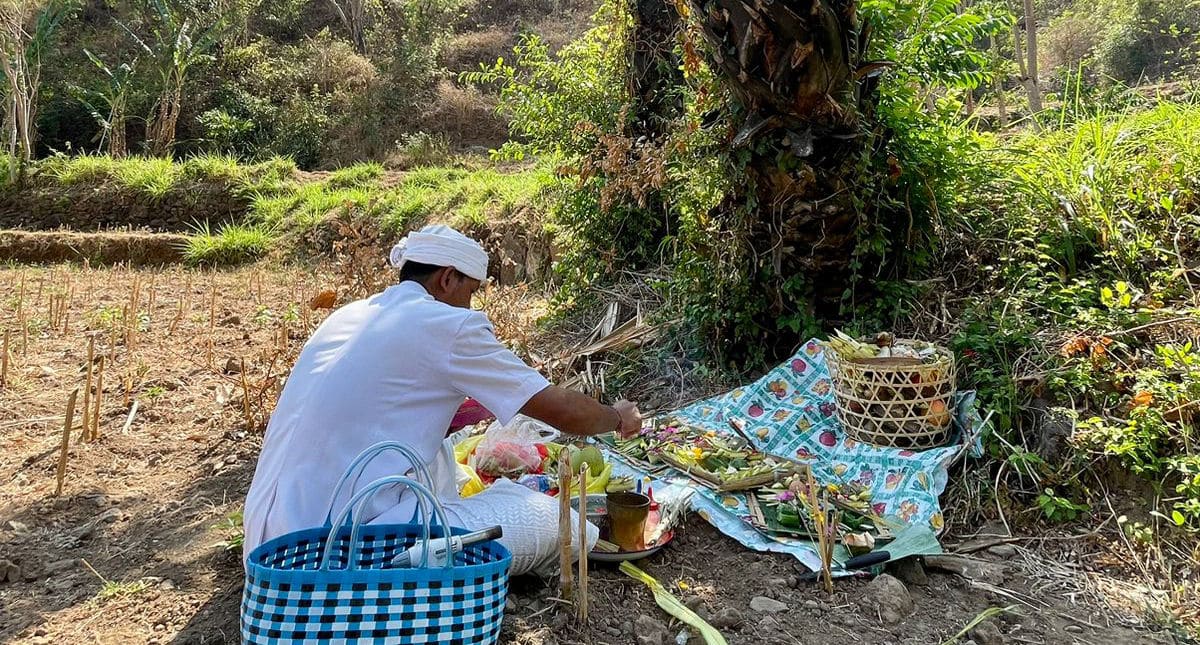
{"x": 1027, "y": 62}
{"x": 26, "y": 27}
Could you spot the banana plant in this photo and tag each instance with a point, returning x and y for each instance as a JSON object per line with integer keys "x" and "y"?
{"x": 108, "y": 104}
{"x": 176, "y": 44}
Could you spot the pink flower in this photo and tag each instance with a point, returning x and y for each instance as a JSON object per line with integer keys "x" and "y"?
{"x": 785, "y": 496}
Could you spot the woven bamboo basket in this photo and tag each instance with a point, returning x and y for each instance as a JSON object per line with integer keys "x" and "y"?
{"x": 895, "y": 402}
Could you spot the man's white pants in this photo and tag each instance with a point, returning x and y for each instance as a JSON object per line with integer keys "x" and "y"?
{"x": 529, "y": 519}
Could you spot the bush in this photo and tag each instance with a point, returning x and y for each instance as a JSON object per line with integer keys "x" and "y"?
{"x": 1080, "y": 233}
{"x": 1071, "y": 40}
{"x": 420, "y": 149}
{"x": 1155, "y": 40}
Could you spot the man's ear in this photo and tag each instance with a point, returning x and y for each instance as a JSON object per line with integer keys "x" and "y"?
{"x": 444, "y": 279}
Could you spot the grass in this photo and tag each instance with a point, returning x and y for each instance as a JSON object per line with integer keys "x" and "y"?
{"x": 279, "y": 204}
{"x": 110, "y": 589}
{"x": 154, "y": 178}
{"x": 235, "y": 535}
{"x": 367, "y": 174}
{"x": 463, "y": 198}
{"x": 232, "y": 244}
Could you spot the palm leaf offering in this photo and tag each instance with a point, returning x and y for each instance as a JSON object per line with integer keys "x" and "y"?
{"x": 723, "y": 462}
{"x": 789, "y": 507}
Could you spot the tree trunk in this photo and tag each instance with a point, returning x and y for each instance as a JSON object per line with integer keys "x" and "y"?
{"x": 791, "y": 66}
{"x": 654, "y": 70}
{"x": 1001, "y": 101}
{"x": 116, "y": 134}
{"x": 1031, "y": 48}
{"x": 162, "y": 126}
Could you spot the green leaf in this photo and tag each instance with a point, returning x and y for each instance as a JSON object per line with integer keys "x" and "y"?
{"x": 1178, "y": 518}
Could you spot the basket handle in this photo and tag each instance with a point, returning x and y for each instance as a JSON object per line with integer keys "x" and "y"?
{"x": 354, "y": 470}
{"x": 360, "y": 498}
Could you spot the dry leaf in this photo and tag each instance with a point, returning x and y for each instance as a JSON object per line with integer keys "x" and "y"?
{"x": 1142, "y": 399}
{"x": 324, "y": 300}
{"x": 1076, "y": 346}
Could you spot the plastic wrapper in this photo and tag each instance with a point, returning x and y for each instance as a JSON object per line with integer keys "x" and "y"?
{"x": 511, "y": 450}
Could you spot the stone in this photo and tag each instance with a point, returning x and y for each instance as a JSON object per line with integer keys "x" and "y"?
{"x": 650, "y": 631}
{"x": 510, "y": 605}
{"x": 775, "y": 584}
{"x": 978, "y": 570}
{"x": 727, "y": 617}
{"x": 769, "y": 625}
{"x": 167, "y": 584}
{"x": 812, "y": 605}
{"x": 1074, "y": 629}
{"x": 764, "y": 605}
{"x": 910, "y": 571}
{"x": 233, "y": 366}
{"x": 59, "y": 566}
{"x": 9, "y": 571}
{"x": 109, "y": 516}
{"x": 986, "y": 633}
{"x": 1003, "y": 551}
{"x": 887, "y": 598}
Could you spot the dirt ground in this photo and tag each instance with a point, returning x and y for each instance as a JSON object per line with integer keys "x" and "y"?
{"x": 132, "y": 550}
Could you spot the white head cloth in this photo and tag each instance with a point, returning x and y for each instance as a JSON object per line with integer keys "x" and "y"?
{"x": 442, "y": 246}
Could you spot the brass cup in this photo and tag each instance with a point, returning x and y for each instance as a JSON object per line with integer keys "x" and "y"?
{"x": 627, "y": 513}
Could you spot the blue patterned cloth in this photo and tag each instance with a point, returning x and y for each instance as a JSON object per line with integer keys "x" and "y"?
{"x": 790, "y": 412}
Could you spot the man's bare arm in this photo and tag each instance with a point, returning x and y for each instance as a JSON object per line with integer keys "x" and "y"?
{"x": 579, "y": 414}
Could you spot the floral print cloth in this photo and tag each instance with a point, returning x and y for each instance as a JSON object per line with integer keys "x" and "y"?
{"x": 790, "y": 412}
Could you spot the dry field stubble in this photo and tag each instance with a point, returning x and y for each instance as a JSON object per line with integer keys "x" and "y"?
{"x": 186, "y": 365}
{"x": 146, "y": 492}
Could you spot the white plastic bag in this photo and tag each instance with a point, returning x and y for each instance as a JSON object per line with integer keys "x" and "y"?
{"x": 511, "y": 450}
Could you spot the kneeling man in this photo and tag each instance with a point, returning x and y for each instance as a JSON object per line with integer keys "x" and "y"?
{"x": 396, "y": 367}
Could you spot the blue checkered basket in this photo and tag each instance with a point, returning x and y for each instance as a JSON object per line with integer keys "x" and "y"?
{"x": 300, "y": 588}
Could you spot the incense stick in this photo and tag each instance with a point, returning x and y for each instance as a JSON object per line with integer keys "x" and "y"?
{"x": 4, "y": 360}
{"x": 581, "y": 605}
{"x": 566, "y": 584}
{"x": 97, "y": 399}
{"x": 87, "y": 389}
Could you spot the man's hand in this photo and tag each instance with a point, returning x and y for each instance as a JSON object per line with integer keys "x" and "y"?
{"x": 631, "y": 419}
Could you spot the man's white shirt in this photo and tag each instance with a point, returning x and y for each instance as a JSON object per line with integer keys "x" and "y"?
{"x": 393, "y": 367}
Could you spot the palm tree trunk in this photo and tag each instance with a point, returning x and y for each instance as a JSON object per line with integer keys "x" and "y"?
{"x": 791, "y": 66}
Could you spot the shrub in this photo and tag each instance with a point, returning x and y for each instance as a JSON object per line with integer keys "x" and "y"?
{"x": 1080, "y": 235}
{"x": 420, "y": 149}
{"x": 1070, "y": 40}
